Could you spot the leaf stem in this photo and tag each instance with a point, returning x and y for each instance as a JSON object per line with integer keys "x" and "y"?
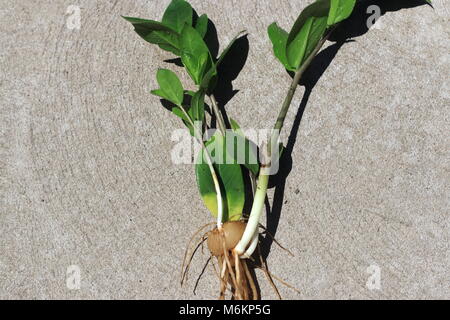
{"x": 298, "y": 74}
{"x": 199, "y": 138}
{"x": 261, "y": 189}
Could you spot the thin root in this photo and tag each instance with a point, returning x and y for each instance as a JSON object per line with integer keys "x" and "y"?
{"x": 270, "y": 275}
{"x": 284, "y": 283}
{"x": 275, "y": 240}
{"x": 265, "y": 268}
{"x": 183, "y": 271}
{"x": 200, "y": 275}
{"x": 184, "y": 275}
{"x": 252, "y": 283}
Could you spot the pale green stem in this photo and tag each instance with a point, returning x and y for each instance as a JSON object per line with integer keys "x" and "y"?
{"x": 199, "y": 138}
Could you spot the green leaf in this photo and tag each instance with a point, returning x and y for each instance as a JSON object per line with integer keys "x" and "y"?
{"x": 170, "y": 87}
{"x": 209, "y": 79}
{"x": 195, "y": 54}
{"x": 228, "y": 47}
{"x": 156, "y": 33}
{"x": 307, "y": 31}
{"x": 159, "y": 93}
{"x": 340, "y": 10}
{"x": 177, "y": 14}
{"x": 231, "y": 181}
{"x": 179, "y": 113}
{"x": 244, "y": 151}
{"x": 198, "y": 106}
{"x": 279, "y": 37}
{"x": 202, "y": 25}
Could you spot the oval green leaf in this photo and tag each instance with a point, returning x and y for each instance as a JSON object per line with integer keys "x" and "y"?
{"x": 307, "y": 31}
{"x": 195, "y": 54}
{"x": 198, "y": 106}
{"x": 340, "y": 10}
{"x": 202, "y": 25}
{"x": 170, "y": 86}
{"x": 230, "y": 178}
{"x": 279, "y": 37}
{"x": 156, "y": 33}
{"x": 177, "y": 14}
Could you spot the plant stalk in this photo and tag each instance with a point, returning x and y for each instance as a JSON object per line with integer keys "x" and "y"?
{"x": 199, "y": 138}
{"x": 261, "y": 189}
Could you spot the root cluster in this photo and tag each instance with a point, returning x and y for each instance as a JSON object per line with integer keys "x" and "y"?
{"x": 236, "y": 275}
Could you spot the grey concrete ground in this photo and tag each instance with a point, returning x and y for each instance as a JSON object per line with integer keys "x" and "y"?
{"x": 86, "y": 176}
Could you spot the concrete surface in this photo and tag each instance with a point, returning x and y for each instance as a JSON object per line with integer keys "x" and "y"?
{"x": 86, "y": 176}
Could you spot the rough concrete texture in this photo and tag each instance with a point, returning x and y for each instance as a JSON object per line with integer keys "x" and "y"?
{"x": 86, "y": 176}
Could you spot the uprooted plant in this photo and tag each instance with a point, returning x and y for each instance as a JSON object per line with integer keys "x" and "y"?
{"x": 227, "y": 157}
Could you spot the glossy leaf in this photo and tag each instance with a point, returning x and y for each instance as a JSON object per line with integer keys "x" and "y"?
{"x": 195, "y": 109}
{"x": 202, "y": 25}
{"x": 340, "y": 10}
{"x": 177, "y": 14}
{"x": 156, "y": 33}
{"x": 231, "y": 181}
{"x": 279, "y": 37}
{"x": 170, "y": 87}
{"x": 209, "y": 79}
{"x": 198, "y": 106}
{"x": 179, "y": 113}
{"x": 194, "y": 54}
{"x": 307, "y": 31}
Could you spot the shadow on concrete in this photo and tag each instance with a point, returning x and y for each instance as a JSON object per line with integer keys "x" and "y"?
{"x": 355, "y": 26}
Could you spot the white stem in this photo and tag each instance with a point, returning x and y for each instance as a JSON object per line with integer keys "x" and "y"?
{"x": 255, "y": 214}
{"x": 247, "y": 254}
{"x": 199, "y": 138}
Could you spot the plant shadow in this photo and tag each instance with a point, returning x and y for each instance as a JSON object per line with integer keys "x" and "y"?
{"x": 227, "y": 71}
{"x": 355, "y": 26}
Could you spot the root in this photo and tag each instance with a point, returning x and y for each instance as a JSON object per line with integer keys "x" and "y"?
{"x": 230, "y": 268}
{"x": 265, "y": 268}
{"x": 239, "y": 287}
{"x": 275, "y": 240}
{"x": 223, "y": 281}
{"x": 184, "y": 266}
{"x": 184, "y": 275}
{"x": 200, "y": 275}
{"x": 284, "y": 283}
{"x": 270, "y": 275}
{"x": 252, "y": 282}
{"x": 235, "y": 275}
